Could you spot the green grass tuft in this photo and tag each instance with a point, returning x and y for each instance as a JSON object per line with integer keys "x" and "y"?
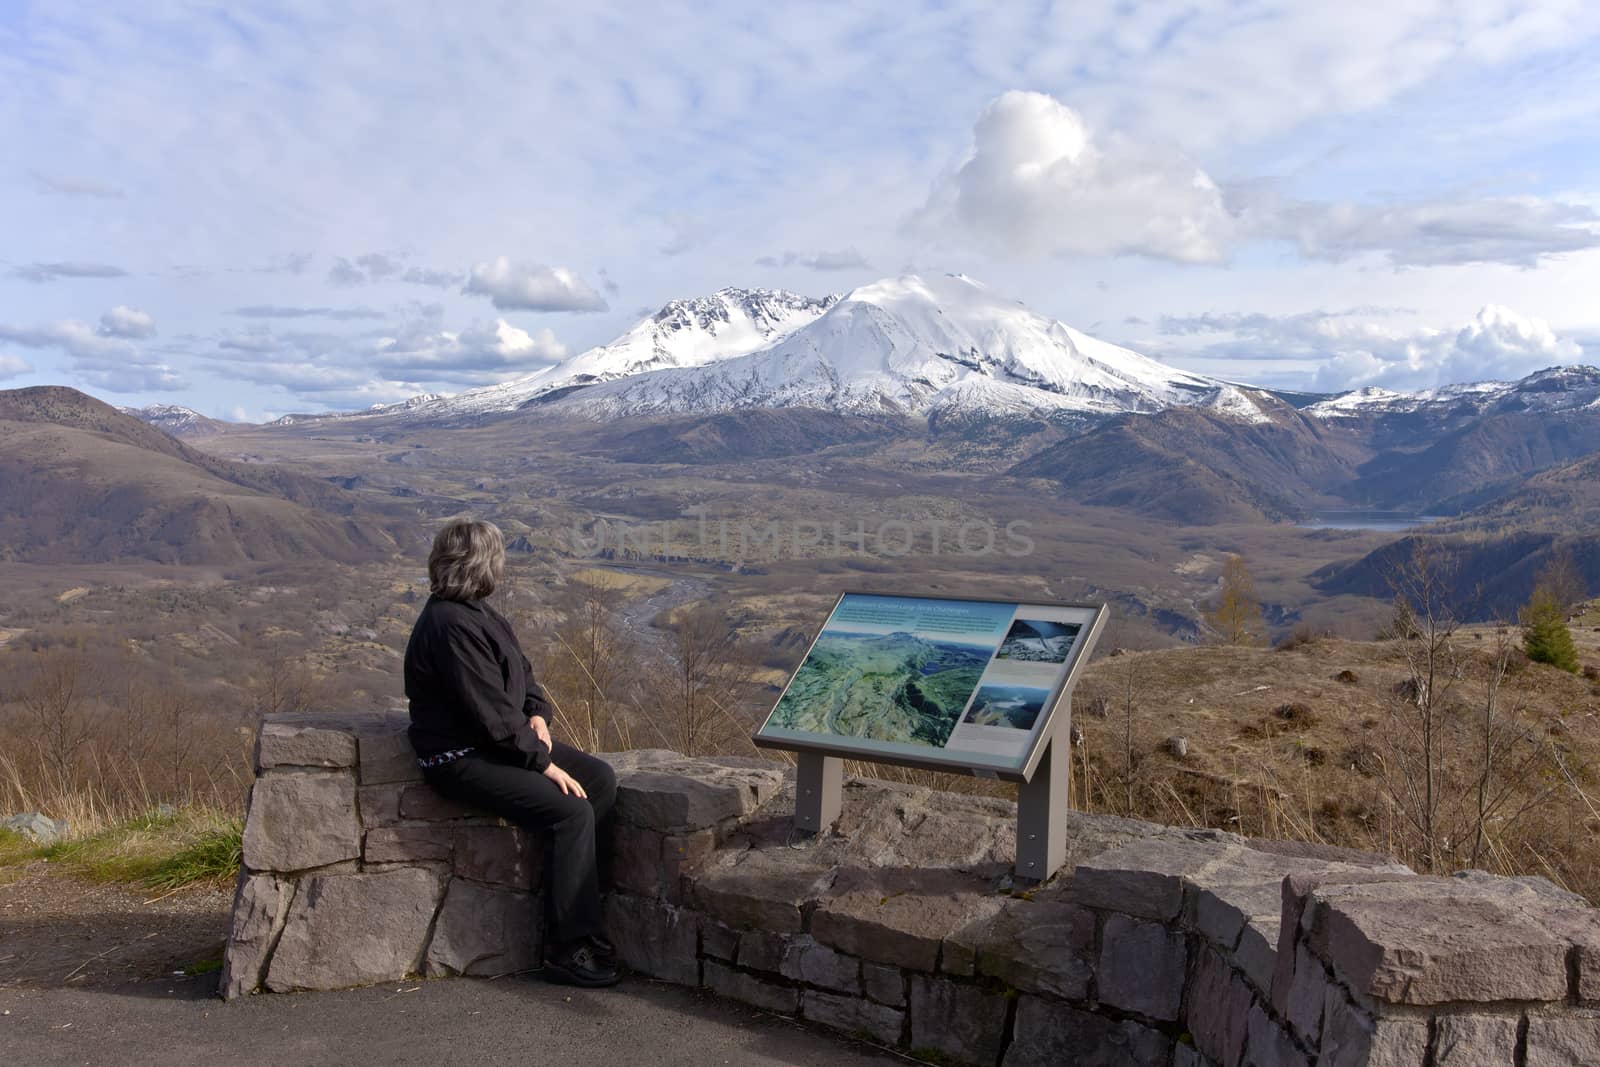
{"x": 214, "y": 856}
{"x": 161, "y": 850}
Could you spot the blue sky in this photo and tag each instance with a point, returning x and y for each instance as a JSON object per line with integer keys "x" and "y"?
{"x": 258, "y": 208}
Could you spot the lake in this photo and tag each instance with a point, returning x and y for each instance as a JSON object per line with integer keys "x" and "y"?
{"x": 1383, "y": 521}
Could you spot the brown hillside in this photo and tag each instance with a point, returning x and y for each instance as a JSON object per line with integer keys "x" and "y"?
{"x": 1302, "y": 744}
{"x": 83, "y": 482}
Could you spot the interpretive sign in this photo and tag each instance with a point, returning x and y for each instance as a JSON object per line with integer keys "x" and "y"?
{"x": 967, "y": 686}
{"x": 956, "y": 685}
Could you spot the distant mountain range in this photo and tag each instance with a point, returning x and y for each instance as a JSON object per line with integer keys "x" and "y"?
{"x": 760, "y": 373}
{"x": 930, "y": 347}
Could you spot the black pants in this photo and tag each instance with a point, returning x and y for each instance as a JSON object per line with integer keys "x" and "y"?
{"x": 534, "y": 802}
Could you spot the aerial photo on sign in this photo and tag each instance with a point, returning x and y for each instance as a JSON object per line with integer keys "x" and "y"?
{"x": 897, "y": 669}
{"x": 1013, "y": 706}
{"x": 1039, "y": 641}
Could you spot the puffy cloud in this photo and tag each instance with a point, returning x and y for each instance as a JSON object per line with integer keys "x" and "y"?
{"x": 356, "y": 370}
{"x": 532, "y": 287}
{"x": 388, "y": 266}
{"x": 335, "y": 368}
{"x": 50, "y": 272}
{"x": 124, "y": 321}
{"x": 844, "y": 259}
{"x": 476, "y": 355}
{"x": 1346, "y": 350}
{"x": 1519, "y": 231}
{"x": 1038, "y": 182}
{"x": 112, "y": 363}
{"x": 12, "y": 366}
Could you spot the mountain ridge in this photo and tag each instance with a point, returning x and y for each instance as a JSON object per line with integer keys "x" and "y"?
{"x": 83, "y": 481}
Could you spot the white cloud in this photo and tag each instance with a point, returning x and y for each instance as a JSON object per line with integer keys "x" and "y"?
{"x": 532, "y": 287}
{"x": 1343, "y": 350}
{"x": 347, "y": 371}
{"x": 112, "y": 363}
{"x": 476, "y": 355}
{"x": 13, "y": 366}
{"x": 127, "y": 322}
{"x": 1038, "y": 182}
{"x": 1520, "y": 231}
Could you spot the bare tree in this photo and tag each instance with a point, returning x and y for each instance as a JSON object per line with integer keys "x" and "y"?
{"x": 1415, "y": 758}
{"x": 589, "y": 662}
{"x": 1128, "y": 697}
{"x": 54, "y": 702}
{"x": 278, "y": 681}
{"x": 1516, "y": 765}
{"x": 711, "y": 678}
{"x": 1237, "y": 616}
{"x": 1562, "y": 581}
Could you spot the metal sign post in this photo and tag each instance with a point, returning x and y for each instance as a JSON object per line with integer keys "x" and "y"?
{"x": 818, "y": 791}
{"x": 1042, "y": 803}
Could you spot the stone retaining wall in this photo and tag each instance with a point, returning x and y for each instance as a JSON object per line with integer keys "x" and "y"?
{"x": 1156, "y": 945}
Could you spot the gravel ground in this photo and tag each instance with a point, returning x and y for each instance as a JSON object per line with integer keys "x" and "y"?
{"x": 87, "y": 977}
{"x": 57, "y": 931}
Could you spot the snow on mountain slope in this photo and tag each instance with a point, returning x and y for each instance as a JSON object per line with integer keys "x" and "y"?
{"x": 684, "y": 333}
{"x": 1549, "y": 390}
{"x": 177, "y": 420}
{"x": 913, "y": 345}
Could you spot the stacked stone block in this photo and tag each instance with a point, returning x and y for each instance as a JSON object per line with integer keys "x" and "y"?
{"x": 1157, "y": 946}
{"x": 356, "y": 872}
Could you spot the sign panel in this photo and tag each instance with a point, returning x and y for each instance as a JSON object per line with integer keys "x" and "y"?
{"x": 958, "y": 685}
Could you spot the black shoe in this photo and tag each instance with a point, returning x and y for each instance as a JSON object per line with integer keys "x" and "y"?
{"x": 580, "y": 964}
{"x": 603, "y": 945}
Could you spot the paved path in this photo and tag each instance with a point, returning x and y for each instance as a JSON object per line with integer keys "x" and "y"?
{"x": 459, "y": 1021}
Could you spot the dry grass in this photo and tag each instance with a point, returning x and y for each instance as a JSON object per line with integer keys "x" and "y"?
{"x": 1282, "y": 744}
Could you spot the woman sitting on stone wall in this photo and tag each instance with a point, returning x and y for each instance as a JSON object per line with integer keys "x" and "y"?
{"x": 480, "y": 725}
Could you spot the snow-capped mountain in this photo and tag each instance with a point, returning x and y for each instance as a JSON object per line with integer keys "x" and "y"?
{"x": 685, "y": 333}
{"x": 410, "y": 405}
{"x": 176, "y": 420}
{"x": 1550, "y": 390}
{"x": 942, "y": 346}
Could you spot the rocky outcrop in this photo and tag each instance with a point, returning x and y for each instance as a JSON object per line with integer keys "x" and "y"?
{"x": 1190, "y": 948}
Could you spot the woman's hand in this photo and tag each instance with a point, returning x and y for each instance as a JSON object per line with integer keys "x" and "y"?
{"x": 569, "y": 785}
{"x": 540, "y": 728}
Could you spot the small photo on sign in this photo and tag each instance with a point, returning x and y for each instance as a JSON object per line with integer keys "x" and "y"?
{"x": 1013, "y": 706}
{"x": 1038, "y": 641}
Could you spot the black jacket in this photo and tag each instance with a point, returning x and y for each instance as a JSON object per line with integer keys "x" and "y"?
{"x": 470, "y": 685}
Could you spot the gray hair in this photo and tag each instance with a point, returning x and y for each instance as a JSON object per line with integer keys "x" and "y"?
{"x": 467, "y": 561}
